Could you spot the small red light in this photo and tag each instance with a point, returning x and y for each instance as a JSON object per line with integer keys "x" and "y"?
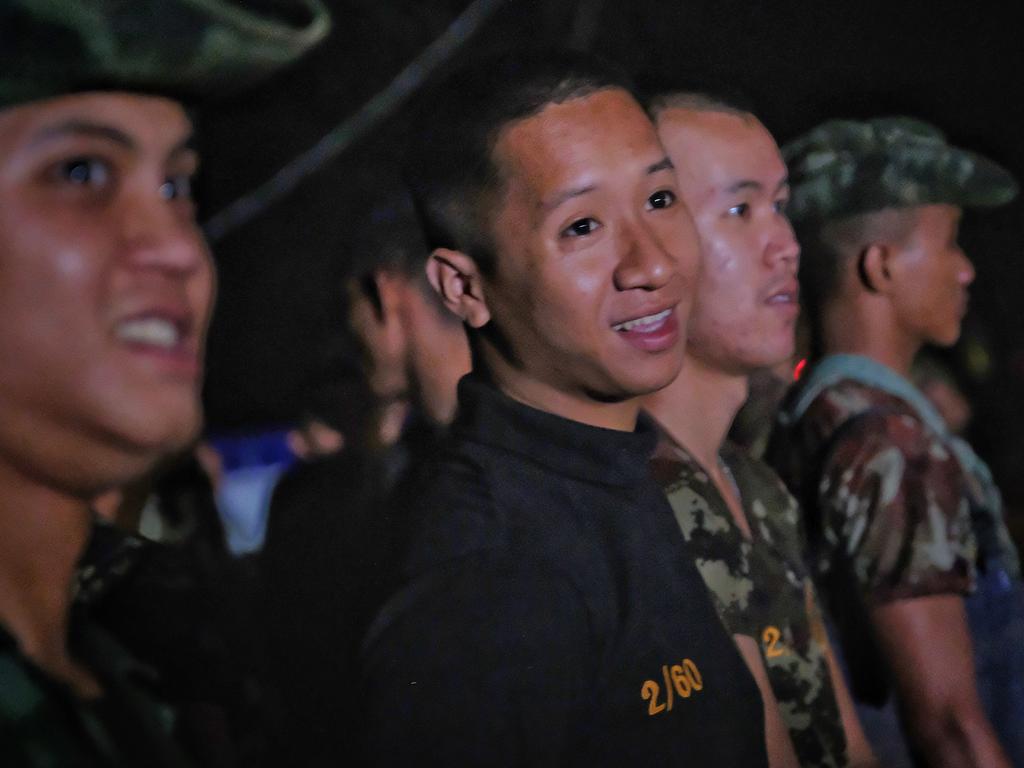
{"x": 798, "y": 371}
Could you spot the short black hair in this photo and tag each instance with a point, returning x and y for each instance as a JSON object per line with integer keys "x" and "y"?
{"x": 450, "y": 169}
{"x": 386, "y": 236}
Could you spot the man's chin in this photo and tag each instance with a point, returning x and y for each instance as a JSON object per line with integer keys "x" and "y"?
{"x": 154, "y": 439}
{"x": 654, "y": 380}
{"x": 945, "y": 340}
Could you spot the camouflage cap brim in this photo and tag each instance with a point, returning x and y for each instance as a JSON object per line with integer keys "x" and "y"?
{"x": 187, "y": 48}
{"x": 842, "y": 168}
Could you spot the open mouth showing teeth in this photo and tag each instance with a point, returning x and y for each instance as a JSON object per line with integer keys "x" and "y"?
{"x": 644, "y": 324}
{"x": 152, "y": 331}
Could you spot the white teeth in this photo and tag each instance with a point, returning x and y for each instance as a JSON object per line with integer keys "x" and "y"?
{"x": 647, "y": 323}
{"x": 154, "y": 331}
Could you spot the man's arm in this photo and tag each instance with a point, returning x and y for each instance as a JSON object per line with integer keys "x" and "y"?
{"x": 894, "y": 508}
{"x": 781, "y": 753}
{"x": 928, "y": 646}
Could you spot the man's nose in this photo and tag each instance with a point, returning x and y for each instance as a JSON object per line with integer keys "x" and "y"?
{"x": 644, "y": 262}
{"x": 782, "y": 246}
{"x": 967, "y": 271}
{"x": 161, "y": 234}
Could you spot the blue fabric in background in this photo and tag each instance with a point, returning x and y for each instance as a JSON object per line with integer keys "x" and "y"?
{"x": 252, "y": 464}
{"x": 995, "y": 613}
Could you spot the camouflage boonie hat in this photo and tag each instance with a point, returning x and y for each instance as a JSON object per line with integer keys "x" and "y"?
{"x": 184, "y": 48}
{"x": 845, "y": 167}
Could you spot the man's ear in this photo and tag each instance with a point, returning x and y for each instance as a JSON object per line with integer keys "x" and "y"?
{"x": 456, "y": 278}
{"x": 873, "y": 268}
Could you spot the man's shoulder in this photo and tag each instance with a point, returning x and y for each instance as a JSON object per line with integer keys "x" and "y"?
{"x": 773, "y": 509}
{"x": 760, "y": 480}
{"x": 476, "y": 499}
{"x": 858, "y": 419}
{"x": 848, "y": 399}
{"x": 453, "y": 511}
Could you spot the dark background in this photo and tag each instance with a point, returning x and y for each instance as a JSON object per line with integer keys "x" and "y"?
{"x": 958, "y": 65}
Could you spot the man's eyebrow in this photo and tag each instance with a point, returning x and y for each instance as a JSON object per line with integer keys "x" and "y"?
{"x": 84, "y": 128}
{"x": 757, "y": 186}
{"x": 665, "y": 164}
{"x": 743, "y": 184}
{"x": 566, "y": 194}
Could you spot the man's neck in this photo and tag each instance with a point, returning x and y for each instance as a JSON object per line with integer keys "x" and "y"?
{"x": 45, "y": 532}
{"x": 697, "y": 409}
{"x": 619, "y": 415}
{"x": 869, "y": 331}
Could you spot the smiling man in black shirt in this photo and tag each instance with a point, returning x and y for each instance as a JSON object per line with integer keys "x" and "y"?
{"x": 551, "y": 613}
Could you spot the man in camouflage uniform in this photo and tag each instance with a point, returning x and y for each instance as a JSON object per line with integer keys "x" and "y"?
{"x": 740, "y": 522}
{"x": 106, "y": 293}
{"x": 899, "y": 513}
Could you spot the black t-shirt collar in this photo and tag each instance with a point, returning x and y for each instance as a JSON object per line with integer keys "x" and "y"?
{"x": 567, "y": 447}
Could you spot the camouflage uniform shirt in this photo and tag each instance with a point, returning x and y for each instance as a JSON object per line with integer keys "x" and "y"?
{"x": 761, "y": 588}
{"x": 43, "y": 725}
{"x": 887, "y": 503}
{"x": 887, "y": 515}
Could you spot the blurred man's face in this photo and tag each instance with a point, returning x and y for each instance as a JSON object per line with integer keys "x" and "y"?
{"x": 733, "y": 180}
{"x": 376, "y": 325}
{"x": 595, "y": 253}
{"x": 106, "y": 285}
{"x": 931, "y": 275}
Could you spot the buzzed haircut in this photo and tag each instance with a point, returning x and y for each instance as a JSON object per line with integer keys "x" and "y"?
{"x": 699, "y": 93}
{"x": 827, "y": 248}
{"x": 450, "y": 168}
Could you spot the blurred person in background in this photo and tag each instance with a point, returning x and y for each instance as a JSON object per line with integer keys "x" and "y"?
{"x": 324, "y": 568}
{"x": 903, "y": 519}
{"x": 742, "y": 525}
{"x": 338, "y": 522}
{"x": 414, "y": 351}
{"x": 106, "y": 293}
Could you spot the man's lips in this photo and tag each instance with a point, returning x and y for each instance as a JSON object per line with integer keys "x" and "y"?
{"x": 646, "y": 322}
{"x": 786, "y": 294}
{"x": 655, "y": 332}
{"x": 165, "y": 335}
{"x": 965, "y": 303}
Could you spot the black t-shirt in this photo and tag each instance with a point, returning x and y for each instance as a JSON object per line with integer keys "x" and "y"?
{"x": 552, "y": 614}
{"x": 325, "y": 569}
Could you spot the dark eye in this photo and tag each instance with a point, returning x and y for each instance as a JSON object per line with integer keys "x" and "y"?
{"x": 663, "y": 198}
{"x": 85, "y": 171}
{"x": 580, "y": 228}
{"x": 740, "y": 210}
{"x": 177, "y": 188}
{"x": 781, "y": 204}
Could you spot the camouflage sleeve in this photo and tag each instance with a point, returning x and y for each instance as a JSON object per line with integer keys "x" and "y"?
{"x": 894, "y": 510}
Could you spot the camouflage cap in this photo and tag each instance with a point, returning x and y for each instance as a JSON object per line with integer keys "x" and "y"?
{"x": 845, "y": 167}
{"x": 186, "y": 48}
